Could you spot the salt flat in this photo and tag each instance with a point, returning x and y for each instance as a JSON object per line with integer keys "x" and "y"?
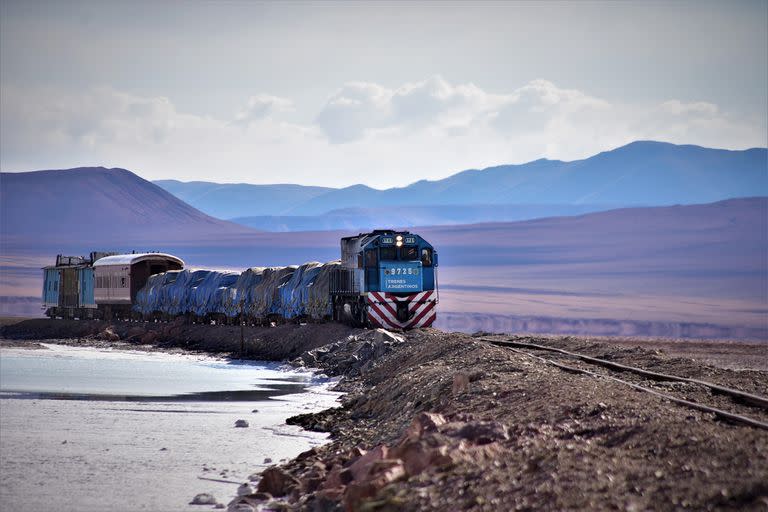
{"x": 143, "y": 454}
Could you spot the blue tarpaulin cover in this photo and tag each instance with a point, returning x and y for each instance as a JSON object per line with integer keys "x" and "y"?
{"x": 239, "y": 296}
{"x": 293, "y": 294}
{"x": 290, "y": 292}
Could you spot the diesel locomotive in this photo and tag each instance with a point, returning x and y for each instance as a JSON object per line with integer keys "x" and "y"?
{"x": 385, "y": 278}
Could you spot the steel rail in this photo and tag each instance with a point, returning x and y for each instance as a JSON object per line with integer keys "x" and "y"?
{"x": 725, "y": 415}
{"x": 749, "y": 398}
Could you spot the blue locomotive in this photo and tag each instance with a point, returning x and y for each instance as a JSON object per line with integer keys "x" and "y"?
{"x": 385, "y": 278}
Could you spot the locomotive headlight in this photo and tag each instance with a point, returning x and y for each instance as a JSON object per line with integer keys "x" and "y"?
{"x": 399, "y": 240}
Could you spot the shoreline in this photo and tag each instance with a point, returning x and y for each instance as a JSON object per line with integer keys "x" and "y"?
{"x": 436, "y": 421}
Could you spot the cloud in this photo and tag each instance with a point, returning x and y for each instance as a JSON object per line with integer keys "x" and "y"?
{"x": 353, "y": 110}
{"x": 364, "y": 132}
{"x": 360, "y": 108}
{"x": 260, "y": 107}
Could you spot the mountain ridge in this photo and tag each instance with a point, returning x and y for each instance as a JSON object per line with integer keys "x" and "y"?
{"x": 639, "y": 173}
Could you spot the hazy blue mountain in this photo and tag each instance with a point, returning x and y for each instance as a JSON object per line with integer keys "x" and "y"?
{"x": 361, "y": 219}
{"x": 227, "y": 200}
{"x": 94, "y": 203}
{"x": 642, "y": 173}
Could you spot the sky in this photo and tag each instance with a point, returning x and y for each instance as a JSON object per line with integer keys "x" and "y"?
{"x": 380, "y": 93}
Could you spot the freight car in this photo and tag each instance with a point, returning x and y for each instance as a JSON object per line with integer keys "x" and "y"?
{"x": 118, "y": 279}
{"x": 385, "y": 278}
{"x": 68, "y": 286}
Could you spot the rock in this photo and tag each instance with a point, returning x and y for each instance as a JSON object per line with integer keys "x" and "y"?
{"x": 346, "y": 476}
{"x": 163, "y": 449}
{"x": 384, "y": 336}
{"x": 203, "y": 499}
{"x": 277, "y": 506}
{"x": 220, "y": 505}
{"x": 366, "y": 351}
{"x": 108, "y": 334}
{"x": 267, "y": 461}
{"x": 381, "y": 473}
{"x": 241, "y": 424}
{"x": 309, "y": 358}
{"x": 149, "y": 338}
{"x": 425, "y": 422}
{"x": 243, "y": 507}
{"x": 277, "y": 482}
{"x": 361, "y": 467}
{"x": 460, "y": 384}
{"x": 418, "y": 456}
{"x": 255, "y": 410}
{"x": 303, "y": 455}
{"x": 244, "y": 489}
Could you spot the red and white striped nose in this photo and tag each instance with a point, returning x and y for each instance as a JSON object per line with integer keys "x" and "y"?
{"x": 394, "y": 312}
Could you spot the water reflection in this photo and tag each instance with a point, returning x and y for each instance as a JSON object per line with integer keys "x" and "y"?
{"x": 275, "y": 390}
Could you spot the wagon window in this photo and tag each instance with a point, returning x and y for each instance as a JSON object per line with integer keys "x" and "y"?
{"x": 426, "y": 257}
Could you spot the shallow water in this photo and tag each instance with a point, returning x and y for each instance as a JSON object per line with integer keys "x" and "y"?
{"x": 87, "y": 374}
{"x": 120, "y": 430}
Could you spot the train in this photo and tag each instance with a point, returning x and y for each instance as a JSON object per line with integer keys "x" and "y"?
{"x": 384, "y": 278}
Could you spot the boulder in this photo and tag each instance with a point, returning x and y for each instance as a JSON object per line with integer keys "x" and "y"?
{"x": 203, "y": 499}
{"x": 108, "y": 334}
{"x": 418, "y": 456}
{"x": 425, "y": 422}
{"x": 277, "y": 482}
{"x": 149, "y": 338}
{"x": 381, "y": 473}
{"x": 384, "y": 336}
{"x": 241, "y": 424}
{"x": 244, "y": 489}
{"x": 361, "y": 467}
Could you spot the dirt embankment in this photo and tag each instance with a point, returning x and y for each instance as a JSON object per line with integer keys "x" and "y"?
{"x": 444, "y": 421}
{"x": 261, "y": 343}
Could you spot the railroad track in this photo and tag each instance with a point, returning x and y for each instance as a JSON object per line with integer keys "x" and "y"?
{"x": 752, "y": 401}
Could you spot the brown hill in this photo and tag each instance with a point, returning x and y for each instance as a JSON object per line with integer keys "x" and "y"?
{"x": 99, "y": 205}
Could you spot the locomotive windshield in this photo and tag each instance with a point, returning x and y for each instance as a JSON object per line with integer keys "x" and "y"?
{"x": 402, "y": 254}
